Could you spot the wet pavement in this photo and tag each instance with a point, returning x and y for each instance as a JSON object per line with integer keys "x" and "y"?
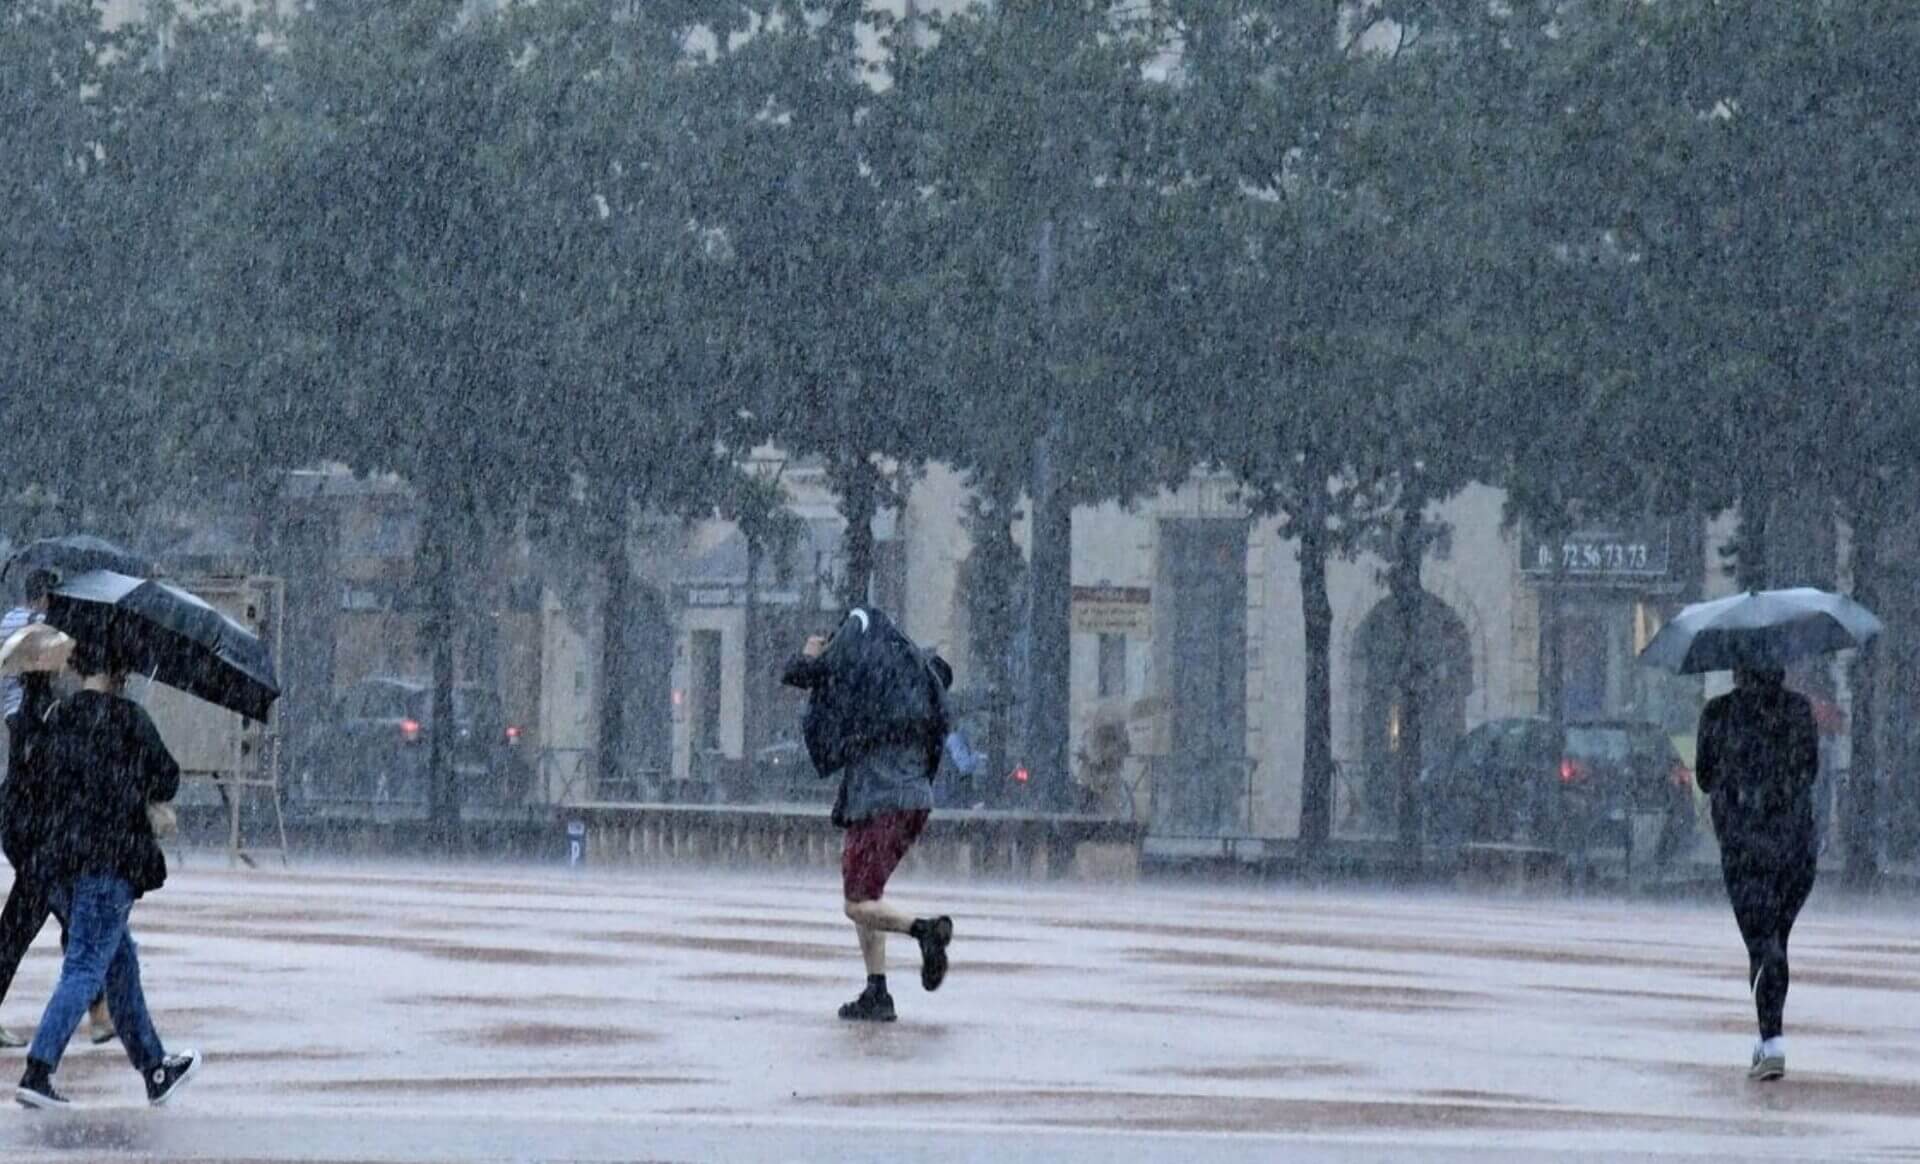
{"x": 410, "y": 1013}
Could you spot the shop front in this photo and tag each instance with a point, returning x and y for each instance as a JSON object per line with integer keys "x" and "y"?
{"x": 1605, "y": 591}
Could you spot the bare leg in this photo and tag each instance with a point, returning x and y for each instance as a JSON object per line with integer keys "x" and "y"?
{"x": 873, "y": 949}
{"x": 878, "y": 915}
{"x": 872, "y": 921}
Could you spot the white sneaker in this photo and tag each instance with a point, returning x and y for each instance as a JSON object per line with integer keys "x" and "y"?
{"x": 9, "y": 1039}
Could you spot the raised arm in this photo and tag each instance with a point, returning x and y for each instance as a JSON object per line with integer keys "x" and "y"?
{"x": 805, "y": 672}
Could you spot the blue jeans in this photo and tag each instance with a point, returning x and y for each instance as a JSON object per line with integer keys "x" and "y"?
{"x": 99, "y": 951}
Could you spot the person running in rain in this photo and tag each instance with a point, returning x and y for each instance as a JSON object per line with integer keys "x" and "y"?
{"x": 27, "y": 697}
{"x": 104, "y": 763}
{"x": 876, "y": 715}
{"x": 1759, "y": 755}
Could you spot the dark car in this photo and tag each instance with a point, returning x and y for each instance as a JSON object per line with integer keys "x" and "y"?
{"x": 1519, "y": 780}
{"x": 375, "y": 742}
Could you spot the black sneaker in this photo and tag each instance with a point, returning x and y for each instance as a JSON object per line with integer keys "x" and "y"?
{"x": 36, "y": 1090}
{"x": 934, "y": 933}
{"x": 172, "y": 1074}
{"x": 873, "y": 1006}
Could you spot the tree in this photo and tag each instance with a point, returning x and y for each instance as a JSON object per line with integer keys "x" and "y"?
{"x": 391, "y": 227}
{"x": 820, "y": 255}
{"x": 1326, "y": 321}
{"x": 615, "y": 126}
{"x": 184, "y": 94}
{"x": 66, "y": 366}
{"x": 1033, "y": 136}
{"x": 1765, "y": 316}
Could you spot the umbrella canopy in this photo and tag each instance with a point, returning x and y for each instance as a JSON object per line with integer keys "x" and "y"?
{"x": 71, "y": 554}
{"x": 171, "y": 635}
{"x": 1760, "y": 629}
{"x": 34, "y": 647}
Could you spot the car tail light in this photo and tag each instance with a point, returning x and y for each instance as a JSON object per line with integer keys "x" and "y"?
{"x": 1682, "y": 776}
{"x": 1572, "y": 771}
{"x": 1020, "y": 775}
{"x": 513, "y": 733}
{"x": 409, "y": 730}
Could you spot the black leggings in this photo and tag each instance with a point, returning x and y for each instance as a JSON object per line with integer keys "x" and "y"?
{"x": 20, "y": 922}
{"x": 1766, "y": 897}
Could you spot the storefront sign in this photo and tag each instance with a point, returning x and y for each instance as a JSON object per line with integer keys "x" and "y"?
{"x": 1631, "y": 552}
{"x": 715, "y": 596}
{"x": 1113, "y": 610}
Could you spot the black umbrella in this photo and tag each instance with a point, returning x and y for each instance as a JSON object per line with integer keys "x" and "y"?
{"x": 76, "y": 554}
{"x": 1760, "y": 629}
{"x": 171, "y": 635}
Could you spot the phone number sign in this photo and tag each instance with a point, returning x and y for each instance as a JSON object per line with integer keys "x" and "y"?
{"x": 1628, "y": 552}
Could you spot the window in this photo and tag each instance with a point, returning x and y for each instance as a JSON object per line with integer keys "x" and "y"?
{"x": 1113, "y": 666}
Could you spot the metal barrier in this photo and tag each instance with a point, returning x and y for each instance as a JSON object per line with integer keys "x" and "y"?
{"x": 1201, "y": 797}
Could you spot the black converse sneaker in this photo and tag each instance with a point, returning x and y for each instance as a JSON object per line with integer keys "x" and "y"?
{"x": 933, "y": 933}
{"x": 170, "y": 1076}
{"x": 36, "y": 1089}
{"x": 874, "y": 1005}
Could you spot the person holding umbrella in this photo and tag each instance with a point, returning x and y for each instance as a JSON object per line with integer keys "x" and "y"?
{"x": 31, "y": 654}
{"x": 1758, "y": 761}
{"x": 1759, "y": 755}
{"x": 104, "y": 763}
{"x": 876, "y": 716}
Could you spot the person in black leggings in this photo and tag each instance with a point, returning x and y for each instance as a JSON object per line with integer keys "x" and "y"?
{"x": 1759, "y": 755}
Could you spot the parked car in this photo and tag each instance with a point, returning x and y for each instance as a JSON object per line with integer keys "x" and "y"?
{"x": 1518, "y": 780}
{"x": 375, "y": 742}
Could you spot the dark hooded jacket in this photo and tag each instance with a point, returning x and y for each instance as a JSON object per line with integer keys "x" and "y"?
{"x": 1758, "y": 757}
{"x": 876, "y": 715}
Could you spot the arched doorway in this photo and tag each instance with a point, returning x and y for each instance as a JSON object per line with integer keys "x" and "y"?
{"x": 1448, "y": 670}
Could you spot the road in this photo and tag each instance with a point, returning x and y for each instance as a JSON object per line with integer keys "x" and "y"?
{"x": 386, "y": 1012}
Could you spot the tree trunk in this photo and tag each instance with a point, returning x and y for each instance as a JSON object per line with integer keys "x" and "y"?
{"x": 1050, "y": 556}
{"x": 752, "y": 689}
{"x": 994, "y": 572}
{"x": 616, "y": 662}
{"x": 1050, "y": 623}
{"x": 859, "y": 500}
{"x": 1751, "y": 567}
{"x": 1316, "y": 789}
{"x": 1553, "y": 670}
{"x": 436, "y": 555}
{"x": 1403, "y": 582}
{"x": 263, "y": 503}
{"x": 1863, "y": 774}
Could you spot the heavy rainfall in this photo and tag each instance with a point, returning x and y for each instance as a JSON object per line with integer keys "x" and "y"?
{"x": 1336, "y": 579}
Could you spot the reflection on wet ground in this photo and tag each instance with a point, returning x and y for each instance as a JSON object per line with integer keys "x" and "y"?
{"x": 351, "y": 1013}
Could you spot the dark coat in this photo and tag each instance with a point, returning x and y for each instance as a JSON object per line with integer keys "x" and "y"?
{"x": 872, "y": 691}
{"x": 25, "y": 816}
{"x": 1758, "y": 758}
{"x": 102, "y": 762}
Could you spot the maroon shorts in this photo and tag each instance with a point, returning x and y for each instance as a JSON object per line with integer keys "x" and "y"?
{"x": 874, "y": 849}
